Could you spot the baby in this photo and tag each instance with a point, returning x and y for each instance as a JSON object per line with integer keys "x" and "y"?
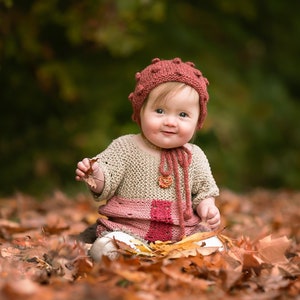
{"x": 157, "y": 185}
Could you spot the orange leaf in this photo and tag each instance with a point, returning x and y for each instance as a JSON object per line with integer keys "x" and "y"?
{"x": 273, "y": 250}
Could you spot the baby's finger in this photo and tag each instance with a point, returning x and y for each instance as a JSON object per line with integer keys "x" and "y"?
{"x": 94, "y": 165}
{"x": 86, "y": 162}
{"x": 204, "y": 213}
{"x": 213, "y": 221}
{"x": 78, "y": 178}
{"x": 83, "y": 165}
{"x": 212, "y": 212}
{"x": 214, "y": 225}
{"x": 79, "y": 172}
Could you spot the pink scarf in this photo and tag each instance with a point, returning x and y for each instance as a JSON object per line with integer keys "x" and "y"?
{"x": 170, "y": 160}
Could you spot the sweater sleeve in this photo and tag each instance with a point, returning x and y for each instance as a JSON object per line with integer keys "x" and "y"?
{"x": 112, "y": 162}
{"x": 204, "y": 185}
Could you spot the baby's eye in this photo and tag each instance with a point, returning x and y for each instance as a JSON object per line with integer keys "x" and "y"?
{"x": 159, "y": 110}
{"x": 183, "y": 114}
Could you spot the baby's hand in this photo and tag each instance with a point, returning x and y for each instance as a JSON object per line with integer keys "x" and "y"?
{"x": 83, "y": 169}
{"x": 88, "y": 171}
{"x": 209, "y": 213}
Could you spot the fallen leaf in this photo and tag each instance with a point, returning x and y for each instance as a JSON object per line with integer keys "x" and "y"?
{"x": 89, "y": 178}
{"x": 54, "y": 264}
{"x": 273, "y": 250}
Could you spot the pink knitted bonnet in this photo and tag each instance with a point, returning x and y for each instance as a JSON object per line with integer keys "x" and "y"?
{"x": 161, "y": 71}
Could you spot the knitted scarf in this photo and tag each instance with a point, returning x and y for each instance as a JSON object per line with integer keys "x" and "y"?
{"x": 170, "y": 161}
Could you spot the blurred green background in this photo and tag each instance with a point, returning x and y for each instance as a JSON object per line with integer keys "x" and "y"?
{"x": 67, "y": 67}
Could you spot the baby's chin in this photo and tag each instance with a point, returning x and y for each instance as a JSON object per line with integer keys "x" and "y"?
{"x": 169, "y": 145}
{"x": 164, "y": 144}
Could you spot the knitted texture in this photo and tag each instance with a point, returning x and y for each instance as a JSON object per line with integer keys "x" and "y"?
{"x": 161, "y": 71}
{"x": 172, "y": 158}
{"x": 137, "y": 204}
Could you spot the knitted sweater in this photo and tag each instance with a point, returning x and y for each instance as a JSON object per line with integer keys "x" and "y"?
{"x": 137, "y": 204}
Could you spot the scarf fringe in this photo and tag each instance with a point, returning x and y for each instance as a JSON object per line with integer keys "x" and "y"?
{"x": 170, "y": 161}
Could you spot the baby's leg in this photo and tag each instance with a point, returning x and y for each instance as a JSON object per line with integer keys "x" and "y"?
{"x": 105, "y": 245}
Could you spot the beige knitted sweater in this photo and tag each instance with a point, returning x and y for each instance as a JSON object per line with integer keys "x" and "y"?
{"x": 137, "y": 204}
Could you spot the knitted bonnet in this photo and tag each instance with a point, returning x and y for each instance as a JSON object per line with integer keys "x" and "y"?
{"x": 161, "y": 71}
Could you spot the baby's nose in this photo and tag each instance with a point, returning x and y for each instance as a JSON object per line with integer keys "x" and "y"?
{"x": 170, "y": 120}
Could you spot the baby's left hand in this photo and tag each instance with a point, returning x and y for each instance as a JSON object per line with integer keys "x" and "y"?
{"x": 209, "y": 213}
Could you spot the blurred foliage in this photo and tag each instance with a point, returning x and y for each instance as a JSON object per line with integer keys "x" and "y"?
{"x": 67, "y": 67}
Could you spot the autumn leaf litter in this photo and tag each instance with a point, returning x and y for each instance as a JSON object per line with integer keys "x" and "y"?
{"x": 42, "y": 258}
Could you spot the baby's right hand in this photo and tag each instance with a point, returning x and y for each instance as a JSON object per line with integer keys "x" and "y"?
{"x": 83, "y": 167}
{"x": 88, "y": 170}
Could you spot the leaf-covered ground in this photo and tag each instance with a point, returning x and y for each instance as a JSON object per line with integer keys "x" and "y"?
{"x": 42, "y": 258}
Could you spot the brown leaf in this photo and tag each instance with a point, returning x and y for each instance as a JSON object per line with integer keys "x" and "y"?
{"x": 273, "y": 250}
{"x": 23, "y": 288}
{"x": 55, "y": 224}
{"x": 254, "y": 265}
{"x": 89, "y": 178}
{"x": 9, "y": 227}
{"x": 83, "y": 266}
{"x": 9, "y": 252}
{"x": 175, "y": 271}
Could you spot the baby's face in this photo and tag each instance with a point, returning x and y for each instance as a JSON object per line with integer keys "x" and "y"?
{"x": 172, "y": 122}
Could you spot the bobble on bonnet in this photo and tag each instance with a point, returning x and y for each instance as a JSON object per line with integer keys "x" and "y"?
{"x": 161, "y": 71}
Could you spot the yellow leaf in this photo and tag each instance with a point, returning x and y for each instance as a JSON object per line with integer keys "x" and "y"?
{"x": 188, "y": 246}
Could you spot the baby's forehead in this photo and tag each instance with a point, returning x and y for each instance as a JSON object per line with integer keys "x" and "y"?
{"x": 170, "y": 87}
{"x": 162, "y": 97}
{"x": 166, "y": 91}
